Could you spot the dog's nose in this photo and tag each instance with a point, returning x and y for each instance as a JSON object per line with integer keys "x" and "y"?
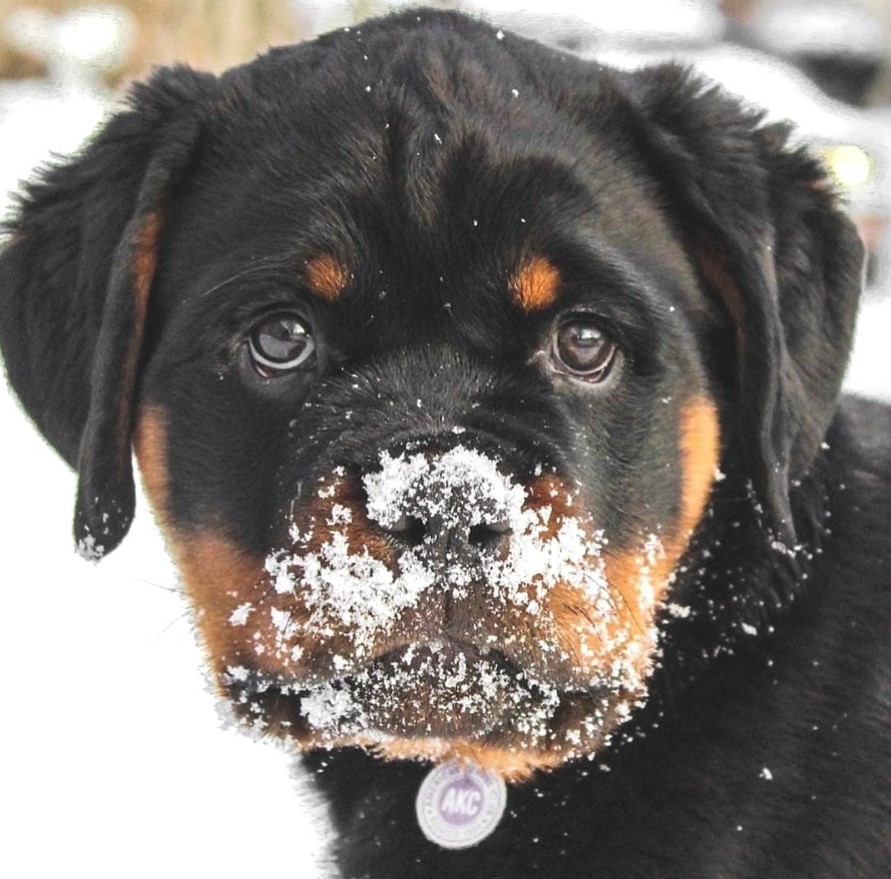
{"x": 454, "y": 535}
{"x": 455, "y": 506}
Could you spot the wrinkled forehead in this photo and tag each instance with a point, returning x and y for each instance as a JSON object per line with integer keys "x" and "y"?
{"x": 377, "y": 205}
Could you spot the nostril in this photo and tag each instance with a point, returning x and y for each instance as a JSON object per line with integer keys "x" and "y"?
{"x": 409, "y": 530}
{"x": 488, "y": 535}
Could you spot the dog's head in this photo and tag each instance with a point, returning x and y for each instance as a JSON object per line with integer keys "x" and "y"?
{"x": 432, "y": 345}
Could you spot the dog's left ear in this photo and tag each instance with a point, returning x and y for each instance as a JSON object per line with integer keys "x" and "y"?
{"x": 75, "y": 278}
{"x": 762, "y": 223}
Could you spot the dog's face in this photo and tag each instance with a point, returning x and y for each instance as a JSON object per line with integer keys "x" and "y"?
{"x": 427, "y": 469}
{"x": 427, "y": 342}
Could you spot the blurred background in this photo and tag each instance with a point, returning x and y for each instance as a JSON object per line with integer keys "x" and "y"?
{"x": 113, "y": 759}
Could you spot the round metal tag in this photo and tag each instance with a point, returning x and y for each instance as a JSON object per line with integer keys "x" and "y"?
{"x": 459, "y": 805}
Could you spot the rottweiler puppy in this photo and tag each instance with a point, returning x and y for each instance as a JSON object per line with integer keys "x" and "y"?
{"x": 488, "y": 400}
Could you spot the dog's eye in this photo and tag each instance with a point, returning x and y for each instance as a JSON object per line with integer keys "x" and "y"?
{"x": 279, "y": 344}
{"x": 580, "y": 348}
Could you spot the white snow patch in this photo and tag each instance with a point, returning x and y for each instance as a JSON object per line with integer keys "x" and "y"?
{"x": 460, "y": 471}
{"x": 340, "y": 515}
{"x": 239, "y": 616}
{"x": 237, "y": 672}
{"x": 355, "y": 589}
{"x": 89, "y": 549}
{"x": 679, "y": 611}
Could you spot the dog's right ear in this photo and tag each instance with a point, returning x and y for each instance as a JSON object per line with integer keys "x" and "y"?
{"x": 75, "y": 276}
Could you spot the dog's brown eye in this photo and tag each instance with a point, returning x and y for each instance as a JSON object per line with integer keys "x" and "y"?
{"x": 580, "y": 348}
{"x": 279, "y": 344}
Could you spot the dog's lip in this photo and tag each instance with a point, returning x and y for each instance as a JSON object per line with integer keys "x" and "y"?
{"x": 420, "y": 657}
{"x": 414, "y": 655}
{"x": 446, "y": 649}
{"x": 409, "y": 655}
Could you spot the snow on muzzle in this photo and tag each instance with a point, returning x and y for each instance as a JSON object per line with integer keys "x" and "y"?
{"x": 439, "y": 596}
{"x": 442, "y": 547}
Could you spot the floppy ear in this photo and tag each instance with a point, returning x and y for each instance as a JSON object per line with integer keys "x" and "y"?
{"x": 75, "y": 277}
{"x": 763, "y": 224}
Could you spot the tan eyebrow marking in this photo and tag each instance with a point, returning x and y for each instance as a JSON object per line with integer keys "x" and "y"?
{"x": 326, "y": 276}
{"x": 535, "y": 284}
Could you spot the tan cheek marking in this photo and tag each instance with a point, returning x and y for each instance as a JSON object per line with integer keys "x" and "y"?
{"x": 150, "y": 446}
{"x": 628, "y": 571}
{"x": 219, "y": 577}
{"x": 320, "y": 518}
{"x": 574, "y": 617}
{"x": 327, "y": 277}
{"x": 535, "y": 284}
{"x": 700, "y": 451}
{"x": 573, "y": 614}
{"x": 217, "y": 574}
{"x": 554, "y": 499}
{"x": 638, "y": 577}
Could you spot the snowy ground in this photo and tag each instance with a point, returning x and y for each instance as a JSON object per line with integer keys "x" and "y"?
{"x": 113, "y": 759}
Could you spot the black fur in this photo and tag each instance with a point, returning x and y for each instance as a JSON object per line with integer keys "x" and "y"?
{"x": 714, "y": 252}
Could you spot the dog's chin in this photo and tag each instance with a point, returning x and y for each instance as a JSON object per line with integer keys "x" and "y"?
{"x": 438, "y": 701}
{"x": 441, "y": 690}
